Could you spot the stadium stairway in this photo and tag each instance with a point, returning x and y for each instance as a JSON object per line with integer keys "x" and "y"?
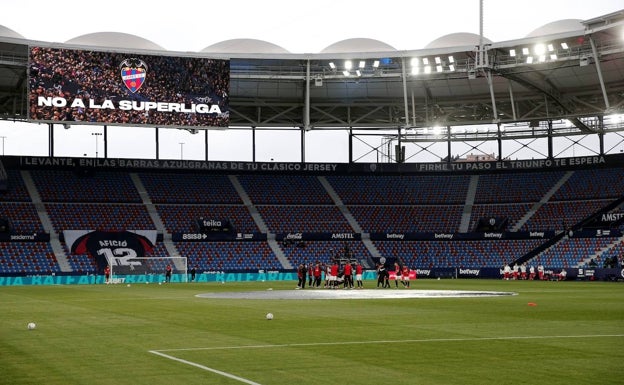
{"x": 153, "y": 213}
{"x": 562, "y": 236}
{"x": 372, "y": 249}
{"x": 341, "y": 206}
{"x": 604, "y": 250}
{"x": 55, "y": 243}
{"x": 464, "y": 225}
{"x": 543, "y": 200}
{"x": 4, "y": 177}
{"x": 255, "y": 215}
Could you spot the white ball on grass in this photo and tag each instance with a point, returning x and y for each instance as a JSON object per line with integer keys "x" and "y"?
{"x": 31, "y": 325}
{"x": 269, "y": 316}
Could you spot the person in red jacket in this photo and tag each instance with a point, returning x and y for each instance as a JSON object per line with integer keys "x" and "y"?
{"x": 333, "y": 278}
{"x": 168, "y": 273}
{"x": 348, "y": 276}
{"x": 397, "y": 274}
{"x": 318, "y": 270}
{"x": 107, "y": 274}
{"x": 405, "y": 276}
{"x": 358, "y": 275}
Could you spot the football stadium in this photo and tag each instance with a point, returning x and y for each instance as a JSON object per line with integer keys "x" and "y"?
{"x": 472, "y": 233}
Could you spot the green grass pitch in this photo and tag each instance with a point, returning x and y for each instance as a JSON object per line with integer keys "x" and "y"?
{"x": 162, "y": 334}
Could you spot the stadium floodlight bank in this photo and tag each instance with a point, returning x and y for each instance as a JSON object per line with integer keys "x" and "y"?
{"x": 154, "y": 267}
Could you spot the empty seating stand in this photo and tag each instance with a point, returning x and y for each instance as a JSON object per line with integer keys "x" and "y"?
{"x": 109, "y": 200}
{"x": 27, "y": 258}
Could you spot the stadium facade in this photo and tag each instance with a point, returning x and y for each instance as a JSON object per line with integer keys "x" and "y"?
{"x": 422, "y": 184}
{"x": 556, "y": 92}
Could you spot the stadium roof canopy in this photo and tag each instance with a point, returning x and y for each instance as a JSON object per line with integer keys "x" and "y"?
{"x": 358, "y": 45}
{"x": 459, "y": 39}
{"x": 114, "y": 40}
{"x": 8, "y": 32}
{"x": 244, "y": 46}
{"x": 564, "y": 78}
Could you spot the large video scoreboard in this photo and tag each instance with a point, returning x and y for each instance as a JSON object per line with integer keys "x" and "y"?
{"x": 67, "y": 85}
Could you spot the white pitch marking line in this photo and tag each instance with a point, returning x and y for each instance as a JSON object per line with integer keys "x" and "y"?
{"x": 389, "y": 341}
{"x": 219, "y": 372}
{"x": 246, "y": 381}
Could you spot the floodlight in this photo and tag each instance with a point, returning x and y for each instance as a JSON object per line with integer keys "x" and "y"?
{"x": 512, "y": 52}
{"x": 564, "y": 45}
{"x": 550, "y": 47}
{"x": 425, "y": 61}
{"x": 452, "y": 67}
{"x": 437, "y": 130}
{"x": 438, "y": 60}
{"x": 362, "y": 64}
{"x": 451, "y": 59}
{"x": 345, "y": 73}
{"x": 553, "y": 56}
{"x": 542, "y": 58}
{"x": 376, "y": 63}
{"x": 539, "y": 49}
{"x": 414, "y": 62}
{"x": 332, "y": 65}
{"x": 427, "y": 69}
{"x": 525, "y": 51}
{"x": 348, "y": 64}
{"x": 618, "y": 118}
{"x": 415, "y": 70}
{"x": 439, "y": 68}
{"x": 358, "y": 72}
{"x": 529, "y": 59}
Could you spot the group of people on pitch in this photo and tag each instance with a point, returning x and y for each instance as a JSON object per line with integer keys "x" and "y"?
{"x": 519, "y": 272}
{"x": 401, "y": 274}
{"x": 335, "y": 275}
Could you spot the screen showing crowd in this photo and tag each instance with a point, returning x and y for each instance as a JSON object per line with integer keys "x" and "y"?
{"x": 118, "y": 88}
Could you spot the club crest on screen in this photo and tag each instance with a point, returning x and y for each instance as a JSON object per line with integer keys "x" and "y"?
{"x": 133, "y": 73}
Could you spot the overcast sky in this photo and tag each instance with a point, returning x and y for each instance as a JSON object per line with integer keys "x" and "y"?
{"x": 299, "y": 27}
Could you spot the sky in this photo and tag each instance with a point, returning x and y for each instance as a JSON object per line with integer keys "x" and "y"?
{"x": 299, "y": 27}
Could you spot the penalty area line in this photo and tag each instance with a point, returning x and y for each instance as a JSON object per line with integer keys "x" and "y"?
{"x": 503, "y": 338}
{"x": 203, "y": 367}
{"x": 246, "y": 381}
